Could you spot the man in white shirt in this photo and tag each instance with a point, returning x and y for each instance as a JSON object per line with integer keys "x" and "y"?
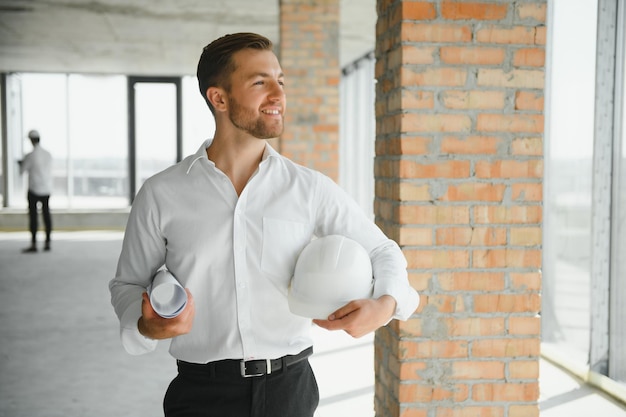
{"x": 229, "y": 222}
{"x": 38, "y": 164}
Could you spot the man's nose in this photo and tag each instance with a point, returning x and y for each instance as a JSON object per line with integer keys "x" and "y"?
{"x": 277, "y": 92}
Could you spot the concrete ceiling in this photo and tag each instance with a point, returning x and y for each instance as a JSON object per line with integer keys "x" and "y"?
{"x": 147, "y": 37}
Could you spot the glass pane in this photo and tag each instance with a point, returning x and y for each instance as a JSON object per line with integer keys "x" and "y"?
{"x": 98, "y": 137}
{"x": 14, "y": 194}
{"x": 567, "y": 225}
{"x": 155, "y": 128}
{"x": 198, "y": 121}
{"x": 45, "y": 108}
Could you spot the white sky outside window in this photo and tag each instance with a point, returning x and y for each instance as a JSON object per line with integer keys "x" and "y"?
{"x": 568, "y": 181}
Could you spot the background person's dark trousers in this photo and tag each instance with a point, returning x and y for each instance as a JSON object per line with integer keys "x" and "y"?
{"x": 33, "y": 200}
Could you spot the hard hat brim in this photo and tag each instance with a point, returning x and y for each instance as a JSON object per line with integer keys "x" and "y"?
{"x": 314, "y": 309}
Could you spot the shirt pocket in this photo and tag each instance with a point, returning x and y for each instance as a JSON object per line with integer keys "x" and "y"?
{"x": 283, "y": 240}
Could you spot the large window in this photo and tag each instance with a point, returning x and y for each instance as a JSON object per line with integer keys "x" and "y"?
{"x": 83, "y": 122}
{"x": 584, "y": 263}
{"x": 358, "y": 132}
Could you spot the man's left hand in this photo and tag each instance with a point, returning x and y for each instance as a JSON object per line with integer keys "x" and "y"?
{"x": 360, "y": 317}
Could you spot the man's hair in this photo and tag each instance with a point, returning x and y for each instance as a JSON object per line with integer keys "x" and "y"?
{"x": 216, "y": 63}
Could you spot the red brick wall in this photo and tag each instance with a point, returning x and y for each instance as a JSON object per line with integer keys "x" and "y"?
{"x": 459, "y": 170}
{"x": 309, "y": 55}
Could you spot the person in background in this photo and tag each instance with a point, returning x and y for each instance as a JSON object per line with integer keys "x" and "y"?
{"x": 38, "y": 164}
{"x": 229, "y": 223}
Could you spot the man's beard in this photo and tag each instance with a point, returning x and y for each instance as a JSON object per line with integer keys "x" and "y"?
{"x": 246, "y": 120}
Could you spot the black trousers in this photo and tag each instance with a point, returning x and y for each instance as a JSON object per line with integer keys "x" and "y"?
{"x": 289, "y": 392}
{"x": 33, "y": 200}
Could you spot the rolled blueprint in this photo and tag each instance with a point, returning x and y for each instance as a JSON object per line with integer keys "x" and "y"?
{"x": 167, "y": 296}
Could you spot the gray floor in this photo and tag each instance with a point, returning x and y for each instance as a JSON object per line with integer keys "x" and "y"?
{"x": 60, "y": 353}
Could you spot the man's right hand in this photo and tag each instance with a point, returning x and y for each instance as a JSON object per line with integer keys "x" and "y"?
{"x": 153, "y": 326}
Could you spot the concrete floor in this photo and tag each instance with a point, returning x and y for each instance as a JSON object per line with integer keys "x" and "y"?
{"x": 60, "y": 354}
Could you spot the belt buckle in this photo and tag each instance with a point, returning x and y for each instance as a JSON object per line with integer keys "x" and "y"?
{"x": 242, "y": 367}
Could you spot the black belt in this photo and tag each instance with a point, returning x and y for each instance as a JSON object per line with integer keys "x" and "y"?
{"x": 257, "y": 367}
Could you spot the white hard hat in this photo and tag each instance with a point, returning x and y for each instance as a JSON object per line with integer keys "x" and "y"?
{"x": 330, "y": 272}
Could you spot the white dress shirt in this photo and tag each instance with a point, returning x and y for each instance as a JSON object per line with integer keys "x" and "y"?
{"x": 236, "y": 254}
{"x": 38, "y": 163}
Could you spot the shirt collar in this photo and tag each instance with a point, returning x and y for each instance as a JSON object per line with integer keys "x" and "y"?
{"x": 201, "y": 154}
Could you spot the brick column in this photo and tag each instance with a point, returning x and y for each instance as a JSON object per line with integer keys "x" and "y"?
{"x": 459, "y": 168}
{"x": 309, "y": 55}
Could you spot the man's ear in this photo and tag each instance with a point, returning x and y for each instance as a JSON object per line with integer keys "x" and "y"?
{"x": 217, "y": 98}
